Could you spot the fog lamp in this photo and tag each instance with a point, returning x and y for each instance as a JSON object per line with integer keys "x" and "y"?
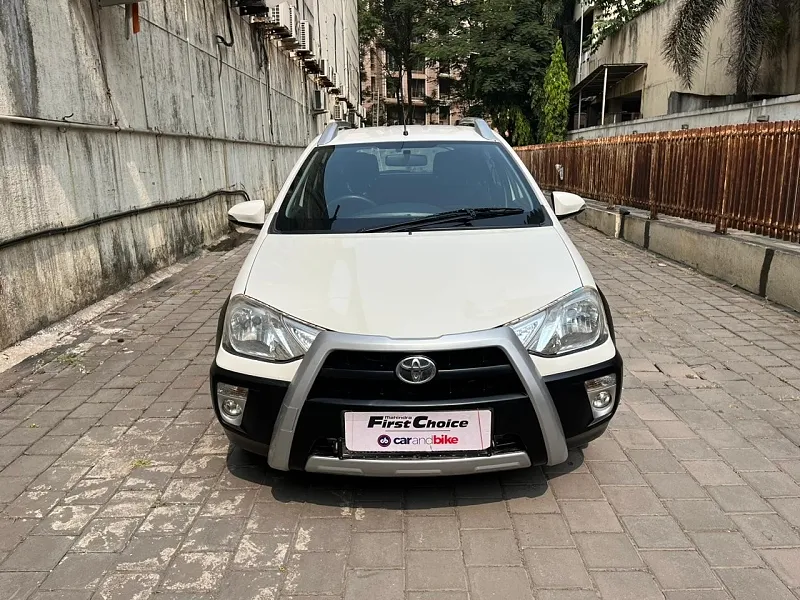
{"x": 601, "y": 392}
{"x": 231, "y": 400}
{"x": 601, "y": 400}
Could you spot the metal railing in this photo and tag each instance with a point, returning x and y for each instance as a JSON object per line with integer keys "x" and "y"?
{"x": 745, "y": 177}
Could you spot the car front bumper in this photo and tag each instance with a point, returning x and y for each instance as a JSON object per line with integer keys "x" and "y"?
{"x": 297, "y": 426}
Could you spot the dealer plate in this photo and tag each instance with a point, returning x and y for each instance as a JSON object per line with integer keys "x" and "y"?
{"x": 466, "y": 430}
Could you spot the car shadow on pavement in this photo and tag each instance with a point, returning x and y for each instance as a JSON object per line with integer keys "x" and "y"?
{"x": 423, "y": 494}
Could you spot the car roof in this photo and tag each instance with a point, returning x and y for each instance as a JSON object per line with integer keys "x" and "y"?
{"x": 394, "y": 133}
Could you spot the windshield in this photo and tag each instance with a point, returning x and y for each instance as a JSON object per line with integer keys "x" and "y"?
{"x": 350, "y": 188}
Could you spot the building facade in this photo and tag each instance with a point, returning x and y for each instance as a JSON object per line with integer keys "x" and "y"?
{"x": 639, "y": 83}
{"x": 431, "y": 94}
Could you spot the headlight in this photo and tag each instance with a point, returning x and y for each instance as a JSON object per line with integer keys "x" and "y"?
{"x": 256, "y": 330}
{"x": 574, "y": 322}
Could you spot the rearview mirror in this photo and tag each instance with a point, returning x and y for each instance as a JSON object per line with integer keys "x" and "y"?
{"x": 567, "y": 205}
{"x": 248, "y": 214}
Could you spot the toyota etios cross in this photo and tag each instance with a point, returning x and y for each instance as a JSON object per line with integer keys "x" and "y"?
{"x": 412, "y": 306}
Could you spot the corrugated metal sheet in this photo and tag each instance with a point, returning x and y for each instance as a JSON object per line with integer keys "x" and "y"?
{"x": 744, "y": 177}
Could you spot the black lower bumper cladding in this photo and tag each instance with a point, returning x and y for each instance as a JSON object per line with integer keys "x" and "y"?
{"x": 320, "y": 429}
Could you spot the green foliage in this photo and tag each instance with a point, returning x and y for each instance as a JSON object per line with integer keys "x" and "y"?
{"x": 555, "y": 101}
{"x": 403, "y": 29}
{"x": 498, "y": 49}
{"x": 368, "y": 24}
{"x": 515, "y": 124}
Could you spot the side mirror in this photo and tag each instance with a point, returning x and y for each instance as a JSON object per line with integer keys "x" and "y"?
{"x": 248, "y": 214}
{"x": 567, "y": 205}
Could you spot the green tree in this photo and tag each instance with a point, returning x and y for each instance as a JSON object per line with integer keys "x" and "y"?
{"x": 368, "y": 26}
{"x": 498, "y": 47}
{"x": 401, "y": 28}
{"x": 555, "y": 98}
{"x": 757, "y": 29}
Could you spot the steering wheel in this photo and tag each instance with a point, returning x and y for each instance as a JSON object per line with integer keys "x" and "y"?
{"x": 348, "y": 198}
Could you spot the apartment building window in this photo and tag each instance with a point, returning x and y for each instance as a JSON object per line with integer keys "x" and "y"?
{"x": 444, "y": 89}
{"x": 418, "y": 88}
{"x": 444, "y": 115}
{"x": 392, "y": 86}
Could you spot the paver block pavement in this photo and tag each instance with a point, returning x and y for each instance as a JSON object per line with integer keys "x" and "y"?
{"x": 126, "y": 486}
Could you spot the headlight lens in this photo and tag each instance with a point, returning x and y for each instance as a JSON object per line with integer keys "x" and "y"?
{"x": 574, "y": 322}
{"x": 253, "y": 329}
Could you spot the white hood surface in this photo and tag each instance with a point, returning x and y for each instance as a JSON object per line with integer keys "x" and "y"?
{"x": 422, "y": 285}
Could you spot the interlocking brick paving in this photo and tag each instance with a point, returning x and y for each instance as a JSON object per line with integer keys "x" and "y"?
{"x": 117, "y": 482}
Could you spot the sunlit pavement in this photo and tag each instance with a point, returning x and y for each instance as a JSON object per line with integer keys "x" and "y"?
{"x": 117, "y": 481}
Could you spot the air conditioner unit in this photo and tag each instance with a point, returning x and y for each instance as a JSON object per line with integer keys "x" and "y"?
{"x": 339, "y": 111}
{"x": 290, "y": 41}
{"x": 281, "y": 19}
{"x": 323, "y": 72}
{"x": 305, "y": 40}
{"x": 320, "y": 102}
{"x": 335, "y": 85}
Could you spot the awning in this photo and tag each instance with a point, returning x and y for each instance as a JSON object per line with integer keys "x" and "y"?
{"x": 592, "y": 84}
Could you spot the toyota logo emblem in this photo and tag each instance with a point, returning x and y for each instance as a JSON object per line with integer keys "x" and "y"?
{"x": 416, "y": 370}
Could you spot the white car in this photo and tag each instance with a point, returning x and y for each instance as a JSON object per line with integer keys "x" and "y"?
{"x": 412, "y": 306}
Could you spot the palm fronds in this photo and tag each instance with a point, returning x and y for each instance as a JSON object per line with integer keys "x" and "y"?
{"x": 751, "y": 24}
{"x": 683, "y": 46}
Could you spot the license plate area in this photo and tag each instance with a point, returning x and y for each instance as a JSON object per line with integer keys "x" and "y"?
{"x": 430, "y": 432}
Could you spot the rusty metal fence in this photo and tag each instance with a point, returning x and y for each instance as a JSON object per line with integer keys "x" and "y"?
{"x": 744, "y": 177}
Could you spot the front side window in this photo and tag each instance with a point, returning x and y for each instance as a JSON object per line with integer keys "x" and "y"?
{"x": 351, "y": 188}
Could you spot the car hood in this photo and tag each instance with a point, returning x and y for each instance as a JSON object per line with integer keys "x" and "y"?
{"x": 420, "y": 285}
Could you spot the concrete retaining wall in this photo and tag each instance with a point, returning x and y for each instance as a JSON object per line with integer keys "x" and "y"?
{"x": 761, "y": 266}
{"x": 163, "y": 115}
{"x": 778, "y": 109}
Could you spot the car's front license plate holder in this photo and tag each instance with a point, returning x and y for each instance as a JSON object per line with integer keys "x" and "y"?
{"x": 423, "y": 432}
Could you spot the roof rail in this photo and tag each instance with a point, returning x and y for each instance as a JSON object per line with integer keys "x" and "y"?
{"x": 480, "y": 125}
{"x": 332, "y": 130}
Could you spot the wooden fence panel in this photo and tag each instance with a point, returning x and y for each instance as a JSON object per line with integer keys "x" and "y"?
{"x": 745, "y": 177}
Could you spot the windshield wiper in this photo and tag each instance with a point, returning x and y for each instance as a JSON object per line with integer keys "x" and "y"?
{"x": 462, "y": 215}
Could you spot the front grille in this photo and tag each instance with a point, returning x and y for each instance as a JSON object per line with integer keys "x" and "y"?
{"x": 461, "y": 374}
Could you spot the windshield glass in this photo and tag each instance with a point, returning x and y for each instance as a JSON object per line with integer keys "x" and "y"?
{"x": 349, "y": 188}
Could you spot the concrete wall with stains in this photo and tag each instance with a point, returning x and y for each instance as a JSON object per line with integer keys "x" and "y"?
{"x": 195, "y": 117}
{"x": 641, "y": 40}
